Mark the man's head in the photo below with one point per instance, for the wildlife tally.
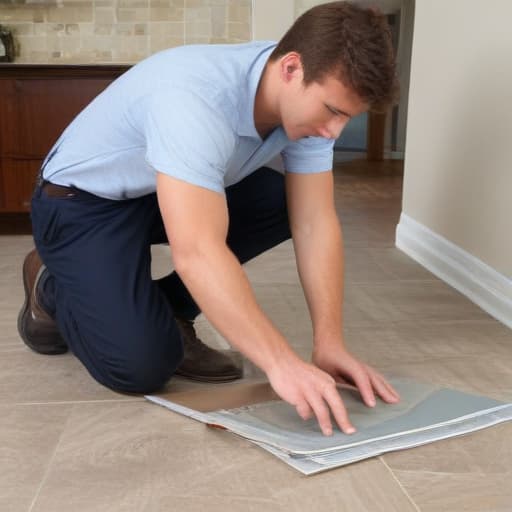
(348, 42)
(336, 61)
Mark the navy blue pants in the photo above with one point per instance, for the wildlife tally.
(114, 317)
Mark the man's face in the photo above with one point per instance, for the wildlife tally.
(319, 109)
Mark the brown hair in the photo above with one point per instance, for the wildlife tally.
(353, 43)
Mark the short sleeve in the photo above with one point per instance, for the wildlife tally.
(308, 155)
(188, 138)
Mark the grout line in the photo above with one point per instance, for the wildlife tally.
(50, 462)
(399, 484)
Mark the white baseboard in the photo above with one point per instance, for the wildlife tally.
(480, 283)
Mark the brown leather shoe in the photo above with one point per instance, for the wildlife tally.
(36, 327)
(202, 362)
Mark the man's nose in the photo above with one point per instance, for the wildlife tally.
(333, 129)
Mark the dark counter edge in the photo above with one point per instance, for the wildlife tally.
(42, 71)
(15, 224)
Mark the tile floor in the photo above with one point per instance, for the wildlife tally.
(68, 444)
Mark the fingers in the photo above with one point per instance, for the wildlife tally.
(329, 401)
(338, 410)
(383, 388)
(322, 405)
(369, 382)
(304, 410)
(344, 384)
(312, 391)
(361, 377)
(322, 414)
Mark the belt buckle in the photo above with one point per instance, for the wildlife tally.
(57, 191)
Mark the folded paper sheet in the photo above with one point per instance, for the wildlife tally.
(426, 413)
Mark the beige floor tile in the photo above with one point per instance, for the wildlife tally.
(138, 456)
(9, 337)
(371, 233)
(362, 266)
(10, 340)
(161, 261)
(29, 436)
(286, 306)
(405, 343)
(14, 245)
(401, 266)
(471, 473)
(407, 301)
(274, 267)
(376, 265)
(486, 375)
(27, 377)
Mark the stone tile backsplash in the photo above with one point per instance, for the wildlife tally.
(119, 31)
(301, 6)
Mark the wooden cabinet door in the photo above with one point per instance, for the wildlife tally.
(38, 110)
(17, 181)
(33, 114)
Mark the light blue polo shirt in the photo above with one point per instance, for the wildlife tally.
(186, 112)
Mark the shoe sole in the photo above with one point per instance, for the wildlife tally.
(205, 378)
(24, 312)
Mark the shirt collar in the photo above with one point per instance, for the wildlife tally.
(246, 126)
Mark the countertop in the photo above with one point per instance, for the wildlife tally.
(14, 70)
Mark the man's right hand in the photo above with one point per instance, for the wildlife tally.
(311, 391)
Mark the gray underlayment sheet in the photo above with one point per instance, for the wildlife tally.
(426, 413)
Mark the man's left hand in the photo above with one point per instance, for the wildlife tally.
(346, 369)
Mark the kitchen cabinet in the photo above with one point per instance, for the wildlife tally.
(36, 103)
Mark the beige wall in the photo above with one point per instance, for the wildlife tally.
(271, 18)
(458, 160)
(386, 6)
(103, 31)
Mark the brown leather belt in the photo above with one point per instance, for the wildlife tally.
(52, 190)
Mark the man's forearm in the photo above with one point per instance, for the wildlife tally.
(221, 289)
(319, 253)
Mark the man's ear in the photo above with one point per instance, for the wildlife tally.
(291, 67)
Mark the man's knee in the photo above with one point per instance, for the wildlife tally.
(144, 370)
